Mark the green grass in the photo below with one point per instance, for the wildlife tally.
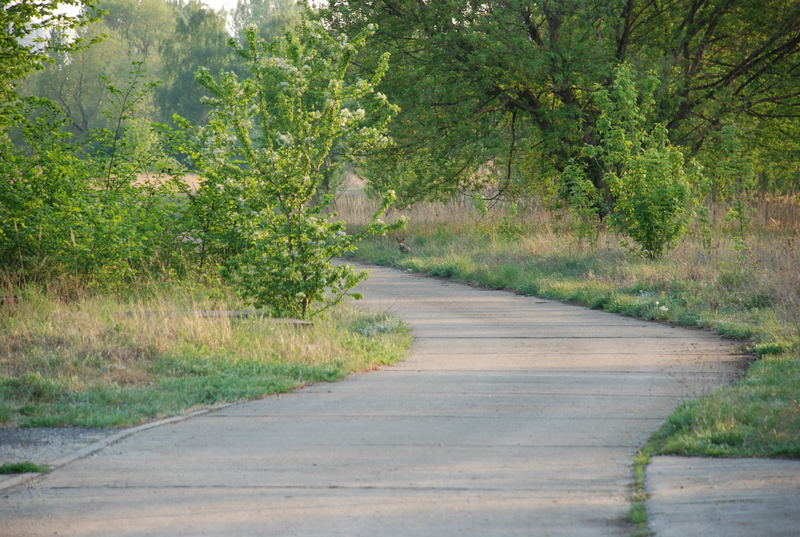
(757, 416)
(637, 513)
(751, 296)
(88, 362)
(22, 468)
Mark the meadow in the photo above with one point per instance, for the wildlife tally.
(76, 356)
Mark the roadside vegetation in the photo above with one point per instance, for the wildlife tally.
(22, 468)
(121, 236)
(744, 288)
(99, 360)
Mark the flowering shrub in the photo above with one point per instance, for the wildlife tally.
(274, 139)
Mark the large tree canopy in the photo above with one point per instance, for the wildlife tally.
(505, 90)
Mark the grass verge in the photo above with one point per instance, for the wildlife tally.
(98, 361)
(751, 295)
(25, 467)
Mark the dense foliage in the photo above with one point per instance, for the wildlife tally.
(273, 140)
(502, 95)
(86, 177)
(629, 112)
(649, 184)
(82, 207)
(91, 187)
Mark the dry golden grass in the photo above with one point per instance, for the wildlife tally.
(97, 339)
(91, 338)
(157, 179)
(780, 214)
(93, 359)
(761, 273)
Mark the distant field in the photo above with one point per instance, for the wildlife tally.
(191, 179)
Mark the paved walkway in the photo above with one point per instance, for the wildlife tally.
(724, 497)
(513, 416)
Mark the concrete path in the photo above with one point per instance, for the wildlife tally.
(513, 416)
(724, 497)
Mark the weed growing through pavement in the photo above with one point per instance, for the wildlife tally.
(25, 467)
(637, 513)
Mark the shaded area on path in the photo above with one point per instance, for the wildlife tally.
(512, 416)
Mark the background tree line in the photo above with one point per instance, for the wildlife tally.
(171, 39)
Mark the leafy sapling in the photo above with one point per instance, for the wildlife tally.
(274, 138)
(649, 182)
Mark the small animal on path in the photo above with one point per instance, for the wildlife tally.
(401, 243)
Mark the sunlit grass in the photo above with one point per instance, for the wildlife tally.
(99, 361)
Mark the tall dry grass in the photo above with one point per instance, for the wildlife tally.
(755, 277)
(770, 213)
(97, 339)
(93, 359)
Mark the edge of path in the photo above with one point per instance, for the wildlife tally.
(730, 497)
(73, 455)
(715, 497)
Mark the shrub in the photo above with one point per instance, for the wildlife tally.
(273, 141)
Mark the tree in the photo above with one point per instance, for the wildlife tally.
(77, 81)
(200, 39)
(270, 17)
(129, 31)
(272, 140)
(143, 24)
(499, 92)
(24, 31)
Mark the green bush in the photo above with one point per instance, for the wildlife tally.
(79, 207)
(274, 140)
(647, 178)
